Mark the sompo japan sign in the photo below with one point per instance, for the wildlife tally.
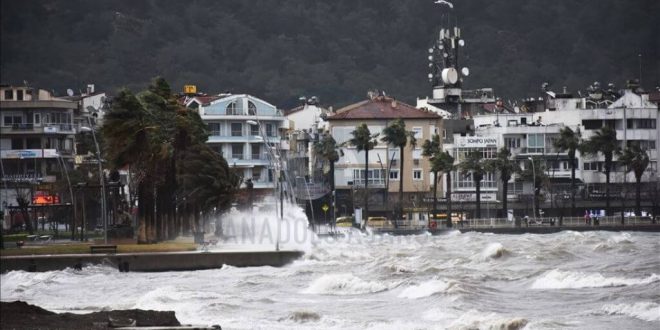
(476, 141)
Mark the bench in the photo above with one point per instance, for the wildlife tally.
(103, 248)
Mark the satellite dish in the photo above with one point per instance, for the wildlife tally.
(465, 71)
(430, 57)
(69, 91)
(461, 42)
(430, 50)
(449, 76)
(445, 55)
(430, 65)
(430, 75)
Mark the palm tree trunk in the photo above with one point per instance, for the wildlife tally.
(638, 196)
(505, 193)
(573, 187)
(435, 194)
(142, 209)
(400, 210)
(449, 219)
(366, 189)
(332, 193)
(607, 192)
(478, 186)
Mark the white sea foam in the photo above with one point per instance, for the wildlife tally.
(647, 311)
(343, 284)
(492, 251)
(473, 319)
(557, 279)
(425, 289)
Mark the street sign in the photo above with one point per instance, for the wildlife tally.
(325, 207)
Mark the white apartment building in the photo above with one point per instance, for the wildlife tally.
(635, 119)
(247, 132)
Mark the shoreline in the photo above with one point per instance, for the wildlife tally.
(151, 262)
(21, 315)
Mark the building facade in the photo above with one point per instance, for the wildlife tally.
(384, 160)
(247, 132)
(532, 135)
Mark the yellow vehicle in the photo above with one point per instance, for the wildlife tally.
(379, 223)
(344, 222)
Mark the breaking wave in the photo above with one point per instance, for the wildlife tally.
(647, 311)
(344, 284)
(426, 289)
(557, 279)
(493, 251)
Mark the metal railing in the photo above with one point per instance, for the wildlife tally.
(614, 220)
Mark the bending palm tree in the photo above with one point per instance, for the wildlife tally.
(396, 135)
(570, 141)
(506, 166)
(604, 141)
(440, 162)
(473, 165)
(363, 140)
(535, 173)
(327, 149)
(636, 160)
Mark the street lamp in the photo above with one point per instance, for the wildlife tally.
(273, 157)
(101, 179)
(533, 187)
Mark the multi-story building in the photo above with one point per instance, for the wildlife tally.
(378, 112)
(532, 134)
(247, 132)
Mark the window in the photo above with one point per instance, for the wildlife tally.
(417, 174)
(9, 94)
(236, 129)
(269, 130)
(417, 153)
(19, 95)
(237, 151)
(512, 143)
(252, 109)
(535, 143)
(10, 120)
(394, 175)
(646, 123)
(417, 133)
(16, 143)
(37, 119)
(592, 124)
(256, 151)
(444, 134)
(629, 123)
(376, 177)
(256, 174)
(254, 130)
(233, 108)
(214, 128)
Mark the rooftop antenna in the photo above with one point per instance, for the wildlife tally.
(640, 69)
(69, 91)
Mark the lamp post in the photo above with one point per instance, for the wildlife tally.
(101, 179)
(533, 187)
(280, 175)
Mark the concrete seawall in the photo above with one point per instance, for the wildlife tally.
(151, 262)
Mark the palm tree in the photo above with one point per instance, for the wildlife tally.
(636, 160)
(473, 165)
(569, 141)
(604, 141)
(326, 148)
(507, 167)
(363, 140)
(535, 173)
(396, 135)
(440, 162)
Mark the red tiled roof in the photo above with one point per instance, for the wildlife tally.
(381, 107)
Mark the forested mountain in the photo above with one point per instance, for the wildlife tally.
(336, 50)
